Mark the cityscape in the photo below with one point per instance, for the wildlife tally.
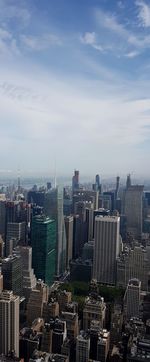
(75, 271)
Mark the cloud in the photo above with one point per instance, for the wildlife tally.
(90, 39)
(144, 13)
(41, 42)
(49, 114)
(132, 54)
(9, 10)
(123, 40)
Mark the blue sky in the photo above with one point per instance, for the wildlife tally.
(75, 86)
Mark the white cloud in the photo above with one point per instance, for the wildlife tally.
(91, 39)
(132, 54)
(41, 42)
(17, 11)
(144, 13)
(51, 115)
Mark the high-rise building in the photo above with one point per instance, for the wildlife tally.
(12, 274)
(43, 240)
(106, 249)
(94, 309)
(133, 209)
(28, 276)
(9, 323)
(75, 181)
(38, 297)
(69, 239)
(133, 263)
(132, 298)
(82, 347)
(53, 208)
(17, 231)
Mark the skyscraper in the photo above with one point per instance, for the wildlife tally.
(9, 323)
(132, 298)
(133, 209)
(69, 239)
(43, 240)
(75, 181)
(53, 208)
(12, 274)
(83, 347)
(106, 248)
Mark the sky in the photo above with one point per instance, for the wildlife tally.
(75, 86)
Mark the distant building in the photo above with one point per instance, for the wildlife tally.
(69, 239)
(75, 181)
(133, 209)
(9, 323)
(133, 264)
(12, 274)
(132, 298)
(53, 208)
(38, 297)
(106, 248)
(43, 240)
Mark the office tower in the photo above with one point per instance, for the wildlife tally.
(82, 347)
(99, 212)
(72, 323)
(69, 239)
(38, 297)
(94, 309)
(106, 248)
(1, 282)
(117, 187)
(15, 231)
(12, 274)
(89, 221)
(43, 241)
(133, 209)
(12, 211)
(103, 346)
(79, 235)
(28, 276)
(133, 263)
(9, 323)
(87, 196)
(59, 335)
(2, 219)
(75, 181)
(53, 208)
(132, 298)
(36, 197)
(128, 182)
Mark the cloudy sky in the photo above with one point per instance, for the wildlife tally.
(75, 86)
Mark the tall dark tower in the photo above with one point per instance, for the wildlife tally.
(117, 186)
(75, 181)
(128, 182)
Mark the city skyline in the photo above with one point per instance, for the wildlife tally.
(74, 85)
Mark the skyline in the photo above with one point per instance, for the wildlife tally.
(74, 86)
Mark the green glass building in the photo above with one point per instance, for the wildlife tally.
(43, 240)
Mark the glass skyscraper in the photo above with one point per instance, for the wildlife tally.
(43, 240)
(53, 208)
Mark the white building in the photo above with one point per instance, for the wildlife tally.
(106, 248)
